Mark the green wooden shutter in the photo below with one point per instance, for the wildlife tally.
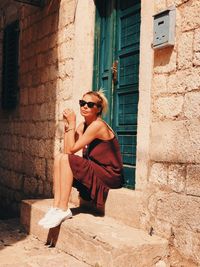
(39, 3)
(104, 53)
(10, 66)
(126, 89)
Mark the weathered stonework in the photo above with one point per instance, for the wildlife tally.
(173, 202)
(46, 60)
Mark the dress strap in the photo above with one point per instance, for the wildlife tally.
(85, 127)
(109, 128)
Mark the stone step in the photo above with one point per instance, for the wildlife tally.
(122, 204)
(98, 241)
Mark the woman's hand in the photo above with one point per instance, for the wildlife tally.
(69, 116)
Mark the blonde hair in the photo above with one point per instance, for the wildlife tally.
(103, 102)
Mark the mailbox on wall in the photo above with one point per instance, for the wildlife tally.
(164, 28)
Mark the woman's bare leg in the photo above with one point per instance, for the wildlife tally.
(57, 180)
(66, 180)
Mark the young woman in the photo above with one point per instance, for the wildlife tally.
(97, 171)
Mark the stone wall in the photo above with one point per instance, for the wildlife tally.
(173, 190)
(31, 134)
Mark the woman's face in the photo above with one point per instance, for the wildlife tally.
(87, 111)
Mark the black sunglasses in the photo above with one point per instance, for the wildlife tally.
(82, 103)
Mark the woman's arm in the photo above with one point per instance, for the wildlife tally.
(87, 137)
(71, 136)
(94, 130)
(69, 129)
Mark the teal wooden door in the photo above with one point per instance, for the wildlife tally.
(116, 70)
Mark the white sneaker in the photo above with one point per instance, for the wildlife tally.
(51, 211)
(57, 218)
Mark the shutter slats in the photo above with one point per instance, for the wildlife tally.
(10, 66)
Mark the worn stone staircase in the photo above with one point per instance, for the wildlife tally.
(113, 240)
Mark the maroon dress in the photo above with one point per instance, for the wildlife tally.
(98, 170)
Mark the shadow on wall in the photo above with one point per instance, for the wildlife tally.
(28, 133)
(162, 57)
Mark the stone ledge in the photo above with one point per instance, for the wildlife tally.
(122, 204)
(96, 240)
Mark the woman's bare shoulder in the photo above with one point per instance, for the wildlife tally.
(98, 124)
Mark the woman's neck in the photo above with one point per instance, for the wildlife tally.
(88, 121)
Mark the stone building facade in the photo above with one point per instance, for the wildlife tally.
(56, 51)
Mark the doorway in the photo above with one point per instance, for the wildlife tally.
(116, 70)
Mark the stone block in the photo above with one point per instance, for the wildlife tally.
(168, 107)
(16, 181)
(30, 186)
(188, 242)
(161, 264)
(48, 188)
(48, 23)
(43, 112)
(190, 15)
(40, 187)
(177, 177)
(42, 148)
(66, 50)
(40, 60)
(192, 79)
(192, 105)
(51, 111)
(27, 162)
(51, 129)
(49, 143)
(32, 96)
(176, 2)
(179, 210)
(66, 34)
(40, 168)
(192, 180)
(32, 63)
(196, 60)
(161, 228)
(159, 5)
(185, 50)
(49, 171)
(67, 13)
(164, 60)
(65, 69)
(53, 72)
(45, 76)
(159, 174)
(24, 97)
(197, 40)
(175, 141)
(63, 105)
(159, 84)
(51, 56)
(65, 94)
(41, 94)
(53, 40)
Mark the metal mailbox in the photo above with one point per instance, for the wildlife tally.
(164, 28)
